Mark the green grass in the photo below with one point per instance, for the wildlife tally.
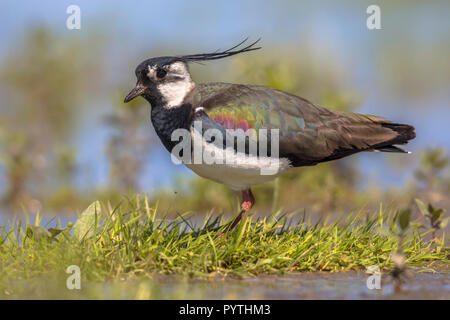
(133, 241)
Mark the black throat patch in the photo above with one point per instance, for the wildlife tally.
(167, 120)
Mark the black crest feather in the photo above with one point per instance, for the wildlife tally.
(221, 54)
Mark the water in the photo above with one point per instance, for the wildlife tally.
(315, 285)
(300, 286)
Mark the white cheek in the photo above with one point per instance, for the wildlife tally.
(175, 92)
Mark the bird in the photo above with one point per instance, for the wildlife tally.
(305, 133)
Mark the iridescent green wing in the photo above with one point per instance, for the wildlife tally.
(308, 133)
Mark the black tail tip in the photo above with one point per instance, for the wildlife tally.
(405, 132)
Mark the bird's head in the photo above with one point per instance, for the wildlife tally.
(168, 79)
(165, 78)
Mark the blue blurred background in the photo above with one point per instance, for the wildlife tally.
(67, 139)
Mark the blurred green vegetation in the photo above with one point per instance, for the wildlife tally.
(45, 79)
(50, 84)
(129, 145)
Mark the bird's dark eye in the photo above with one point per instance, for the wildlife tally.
(161, 73)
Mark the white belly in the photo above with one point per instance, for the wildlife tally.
(236, 178)
(237, 171)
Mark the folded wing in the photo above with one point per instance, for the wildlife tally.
(308, 133)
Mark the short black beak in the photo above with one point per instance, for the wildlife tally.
(136, 91)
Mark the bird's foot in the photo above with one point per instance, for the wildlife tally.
(246, 205)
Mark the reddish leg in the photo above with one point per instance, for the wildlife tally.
(247, 202)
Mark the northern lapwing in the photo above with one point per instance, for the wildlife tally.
(306, 133)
